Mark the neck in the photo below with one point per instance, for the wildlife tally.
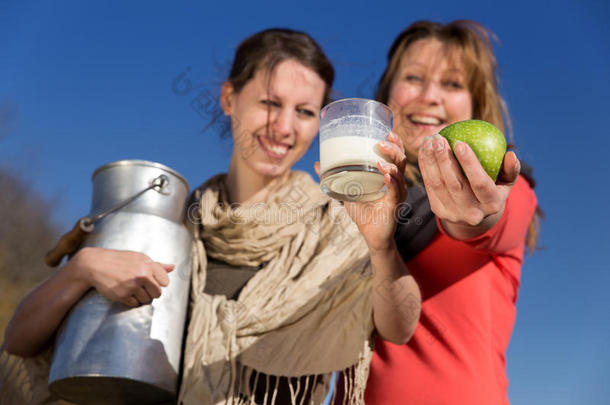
(246, 187)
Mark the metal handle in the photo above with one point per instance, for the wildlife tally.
(71, 240)
(158, 183)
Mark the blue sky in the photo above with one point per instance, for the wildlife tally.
(92, 83)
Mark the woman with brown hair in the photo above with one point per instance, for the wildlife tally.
(282, 294)
(462, 236)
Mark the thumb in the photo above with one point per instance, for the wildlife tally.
(511, 167)
(316, 167)
(167, 267)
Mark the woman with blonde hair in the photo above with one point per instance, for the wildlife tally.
(463, 236)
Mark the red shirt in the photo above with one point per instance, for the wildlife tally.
(469, 290)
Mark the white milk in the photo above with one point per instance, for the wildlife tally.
(348, 151)
(350, 143)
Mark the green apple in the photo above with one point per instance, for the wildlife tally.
(486, 141)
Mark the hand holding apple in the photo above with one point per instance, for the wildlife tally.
(461, 192)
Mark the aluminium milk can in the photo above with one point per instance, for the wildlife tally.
(108, 353)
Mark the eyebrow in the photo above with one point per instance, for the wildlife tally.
(455, 70)
(408, 63)
(309, 104)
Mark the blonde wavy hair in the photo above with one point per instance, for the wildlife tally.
(473, 42)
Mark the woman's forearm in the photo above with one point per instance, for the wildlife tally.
(396, 297)
(128, 277)
(41, 311)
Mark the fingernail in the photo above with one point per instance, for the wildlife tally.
(437, 138)
(384, 165)
(385, 144)
(439, 145)
(427, 144)
(459, 147)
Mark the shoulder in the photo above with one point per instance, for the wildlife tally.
(214, 182)
(193, 204)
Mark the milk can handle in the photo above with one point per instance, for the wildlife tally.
(71, 240)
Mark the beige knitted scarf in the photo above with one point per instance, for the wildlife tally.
(306, 313)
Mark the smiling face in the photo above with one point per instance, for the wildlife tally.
(428, 92)
(274, 121)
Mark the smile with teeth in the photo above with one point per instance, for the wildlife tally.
(425, 119)
(274, 148)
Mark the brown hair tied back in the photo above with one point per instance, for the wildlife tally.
(266, 49)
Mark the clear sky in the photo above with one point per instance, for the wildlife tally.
(87, 84)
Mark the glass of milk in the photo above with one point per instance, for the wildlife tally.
(349, 132)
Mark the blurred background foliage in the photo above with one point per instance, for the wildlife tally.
(26, 234)
(27, 231)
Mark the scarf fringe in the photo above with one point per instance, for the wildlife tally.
(14, 381)
(304, 390)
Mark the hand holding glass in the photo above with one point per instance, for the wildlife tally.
(349, 132)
